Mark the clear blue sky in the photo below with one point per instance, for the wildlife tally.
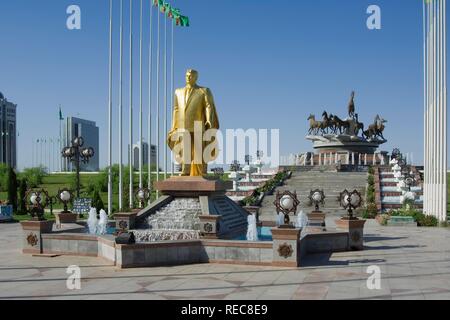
(269, 64)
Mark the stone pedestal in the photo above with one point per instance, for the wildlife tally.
(220, 216)
(125, 221)
(355, 229)
(65, 217)
(286, 247)
(192, 186)
(209, 226)
(32, 235)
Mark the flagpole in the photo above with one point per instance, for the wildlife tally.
(165, 93)
(121, 111)
(42, 145)
(150, 72)
(443, 118)
(50, 160)
(130, 149)
(60, 160)
(32, 154)
(140, 104)
(425, 95)
(110, 110)
(158, 99)
(172, 90)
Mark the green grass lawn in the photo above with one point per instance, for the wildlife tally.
(26, 217)
(52, 183)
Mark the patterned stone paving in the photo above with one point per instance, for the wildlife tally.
(415, 264)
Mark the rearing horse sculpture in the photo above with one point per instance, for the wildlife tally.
(351, 105)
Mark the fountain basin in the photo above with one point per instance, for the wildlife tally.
(168, 253)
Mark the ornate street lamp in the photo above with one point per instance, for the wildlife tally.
(350, 201)
(36, 203)
(401, 162)
(410, 179)
(286, 202)
(235, 166)
(317, 197)
(396, 154)
(142, 195)
(65, 196)
(76, 154)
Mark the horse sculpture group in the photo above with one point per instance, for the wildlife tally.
(332, 124)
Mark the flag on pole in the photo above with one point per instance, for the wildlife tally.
(60, 114)
(174, 13)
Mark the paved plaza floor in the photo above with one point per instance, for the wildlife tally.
(414, 264)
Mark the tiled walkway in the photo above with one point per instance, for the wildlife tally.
(414, 262)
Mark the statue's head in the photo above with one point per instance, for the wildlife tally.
(191, 77)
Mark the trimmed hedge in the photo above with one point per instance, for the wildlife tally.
(268, 187)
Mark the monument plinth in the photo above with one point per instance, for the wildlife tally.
(220, 216)
(192, 186)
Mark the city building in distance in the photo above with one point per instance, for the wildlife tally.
(8, 132)
(76, 127)
(144, 155)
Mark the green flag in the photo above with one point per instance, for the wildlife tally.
(184, 21)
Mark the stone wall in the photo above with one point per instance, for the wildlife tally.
(264, 253)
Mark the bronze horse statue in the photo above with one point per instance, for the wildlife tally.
(340, 124)
(376, 129)
(326, 123)
(351, 105)
(314, 125)
(359, 125)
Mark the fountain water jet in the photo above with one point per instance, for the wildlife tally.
(92, 221)
(252, 232)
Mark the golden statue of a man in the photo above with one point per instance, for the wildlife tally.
(195, 122)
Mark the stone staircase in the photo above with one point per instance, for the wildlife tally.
(332, 183)
(387, 189)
